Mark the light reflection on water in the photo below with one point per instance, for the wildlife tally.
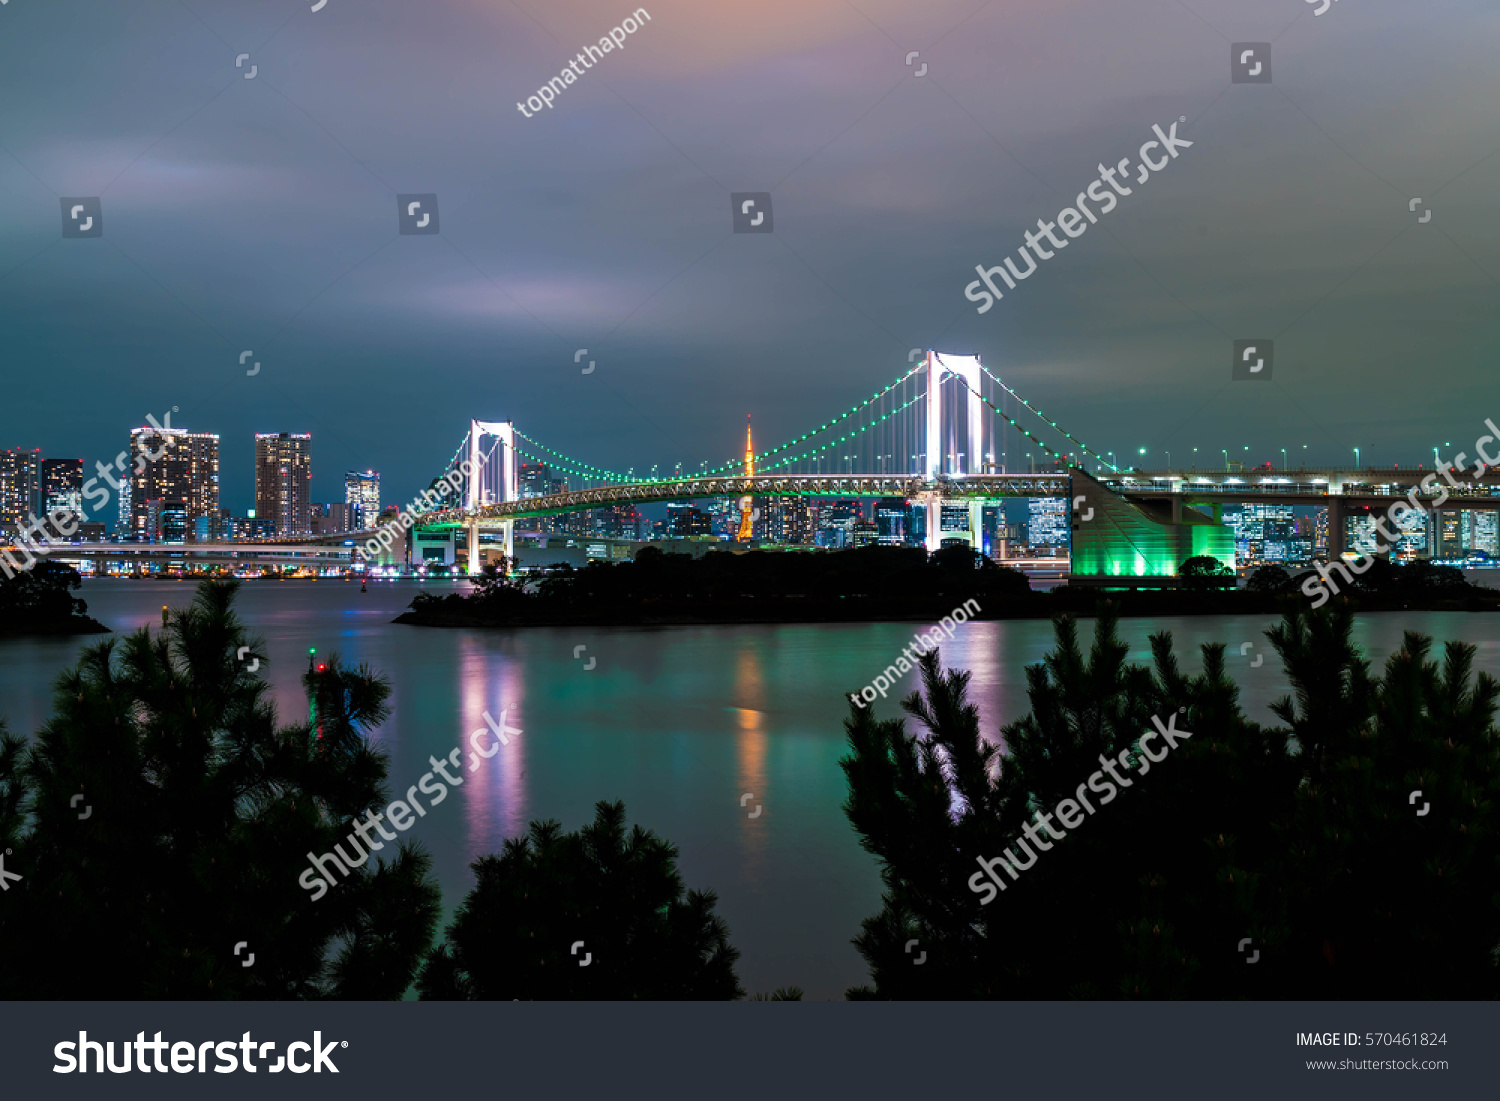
(678, 722)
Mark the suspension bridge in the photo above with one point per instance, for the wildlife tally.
(944, 433)
(948, 435)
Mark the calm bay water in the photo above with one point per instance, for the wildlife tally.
(679, 722)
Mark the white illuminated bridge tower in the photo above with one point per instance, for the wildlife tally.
(955, 445)
(481, 488)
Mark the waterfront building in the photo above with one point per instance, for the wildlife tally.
(332, 518)
(167, 494)
(1267, 533)
(1477, 532)
(1449, 536)
(1486, 533)
(19, 486)
(1047, 527)
(62, 485)
(362, 495)
(283, 480)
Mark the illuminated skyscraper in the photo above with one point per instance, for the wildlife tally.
(19, 486)
(1047, 524)
(173, 480)
(362, 495)
(62, 485)
(836, 521)
(787, 521)
(1267, 533)
(891, 514)
(1486, 533)
(1449, 542)
(1476, 531)
(283, 480)
(685, 520)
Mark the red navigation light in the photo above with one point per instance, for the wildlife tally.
(322, 667)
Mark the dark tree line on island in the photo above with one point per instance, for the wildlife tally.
(162, 815)
(40, 601)
(835, 584)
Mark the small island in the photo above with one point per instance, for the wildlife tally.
(890, 584)
(40, 601)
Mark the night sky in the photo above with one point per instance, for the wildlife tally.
(261, 214)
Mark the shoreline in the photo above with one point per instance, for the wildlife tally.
(77, 625)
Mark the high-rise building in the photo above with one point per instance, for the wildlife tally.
(62, 485)
(618, 521)
(1047, 524)
(685, 520)
(953, 521)
(283, 480)
(724, 512)
(1413, 541)
(1486, 533)
(232, 529)
(1449, 541)
(836, 522)
(1476, 532)
(362, 495)
(20, 489)
(536, 480)
(333, 518)
(173, 480)
(890, 520)
(1266, 533)
(787, 521)
(532, 480)
(330, 519)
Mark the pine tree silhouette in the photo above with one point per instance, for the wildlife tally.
(518, 933)
(159, 818)
(1296, 843)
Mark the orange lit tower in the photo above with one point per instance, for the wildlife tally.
(747, 529)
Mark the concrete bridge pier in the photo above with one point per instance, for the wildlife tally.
(473, 532)
(1335, 527)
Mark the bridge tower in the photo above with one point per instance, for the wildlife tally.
(477, 492)
(941, 366)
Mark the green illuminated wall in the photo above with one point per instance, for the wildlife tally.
(1124, 539)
